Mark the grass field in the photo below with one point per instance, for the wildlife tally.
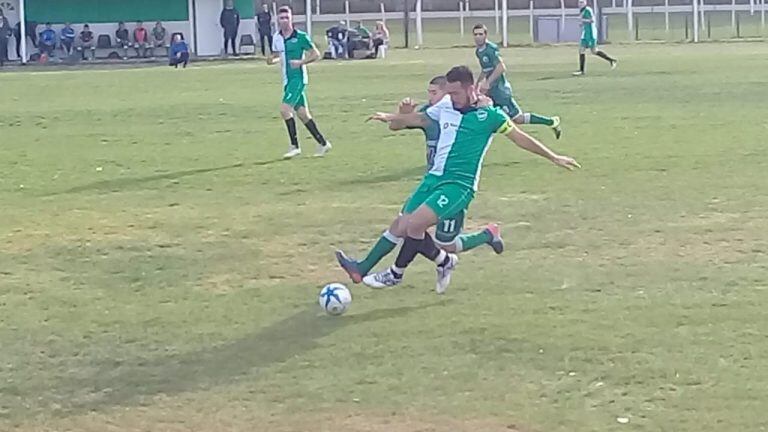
(159, 265)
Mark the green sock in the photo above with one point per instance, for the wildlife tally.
(383, 246)
(475, 239)
(539, 119)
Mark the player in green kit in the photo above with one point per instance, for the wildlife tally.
(492, 82)
(589, 39)
(466, 131)
(289, 46)
(448, 232)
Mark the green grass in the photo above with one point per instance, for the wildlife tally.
(159, 267)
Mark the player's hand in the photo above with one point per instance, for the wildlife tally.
(484, 101)
(406, 106)
(566, 162)
(483, 87)
(382, 117)
(295, 64)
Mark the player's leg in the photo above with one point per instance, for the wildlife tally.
(600, 53)
(513, 110)
(290, 99)
(389, 240)
(323, 146)
(582, 58)
(385, 244)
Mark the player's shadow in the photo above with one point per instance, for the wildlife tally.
(119, 383)
(400, 175)
(128, 182)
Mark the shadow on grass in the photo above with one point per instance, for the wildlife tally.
(127, 182)
(126, 383)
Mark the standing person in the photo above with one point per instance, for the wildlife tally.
(380, 36)
(289, 47)
(491, 81)
(68, 39)
(5, 33)
(230, 22)
(85, 42)
(589, 39)
(264, 19)
(449, 187)
(122, 39)
(179, 52)
(140, 39)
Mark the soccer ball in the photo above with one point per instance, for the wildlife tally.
(335, 298)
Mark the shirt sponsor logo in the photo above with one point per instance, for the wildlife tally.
(482, 115)
(442, 201)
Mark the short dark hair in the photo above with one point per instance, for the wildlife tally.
(438, 80)
(284, 9)
(460, 74)
(480, 27)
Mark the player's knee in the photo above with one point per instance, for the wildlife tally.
(286, 111)
(448, 247)
(519, 119)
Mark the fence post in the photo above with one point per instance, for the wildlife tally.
(496, 14)
(530, 22)
(733, 17)
(762, 16)
(406, 22)
(317, 8)
(666, 17)
(383, 14)
(738, 26)
(695, 20)
(686, 28)
(637, 28)
(308, 16)
(505, 23)
(701, 12)
(346, 12)
(419, 32)
(562, 16)
(630, 19)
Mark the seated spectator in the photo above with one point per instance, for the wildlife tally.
(158, 36)
(337, 40)
(86, 42)
(140, 39)
(122, 39)
(47, 42)
(68, 39)
(380, 37)
(179, 52)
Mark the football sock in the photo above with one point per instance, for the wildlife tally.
(473, 240)
(291, 125)
(383, 246)
(582, 61)
(605, 56)
(312, 127)
(533, 118)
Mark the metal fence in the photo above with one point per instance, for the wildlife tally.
(543, 21)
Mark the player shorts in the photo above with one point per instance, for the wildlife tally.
(449, 201)
(293, 94)
(449, 229)
(588, 43)
(504, 100)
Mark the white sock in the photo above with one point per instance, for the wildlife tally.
(440, 257)
(391, 237)
(526, 118)
(397, 271)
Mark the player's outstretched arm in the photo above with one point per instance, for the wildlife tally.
(406, 106)
(402, 121)
(527, 142)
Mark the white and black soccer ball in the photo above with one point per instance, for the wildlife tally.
(335, 298)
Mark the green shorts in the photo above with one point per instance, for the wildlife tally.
(504, 100)
(448, 200)
(293, 94)
(588, 43)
